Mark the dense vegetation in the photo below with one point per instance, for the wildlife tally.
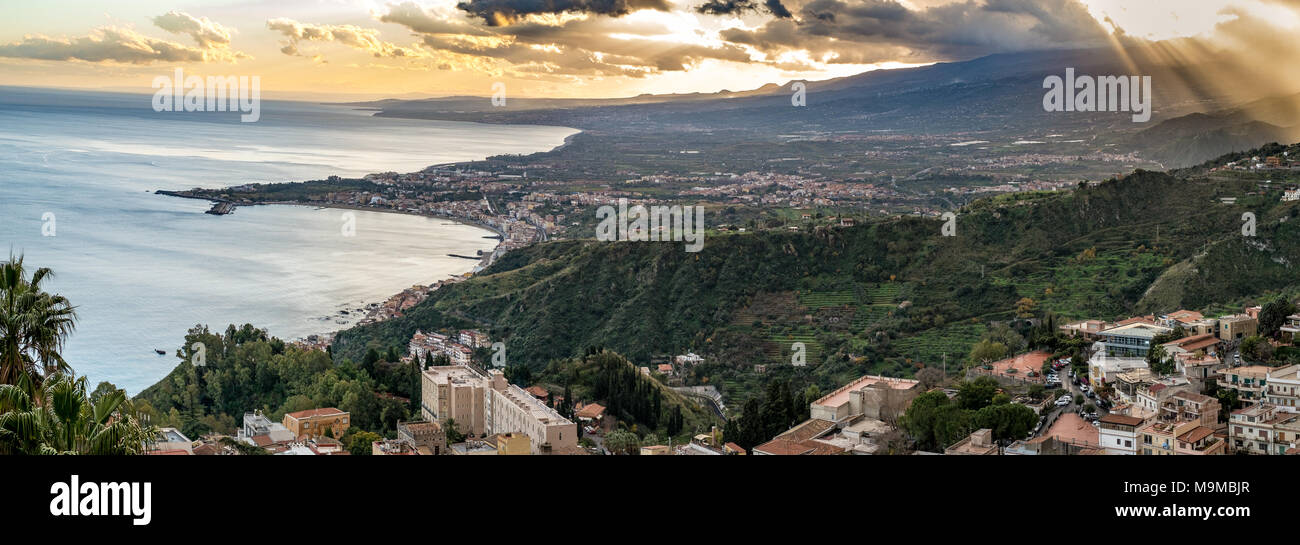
(641, 403)
(245, 369)
(43, 408)
(889, 297)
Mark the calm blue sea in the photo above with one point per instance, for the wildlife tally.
(143, 268)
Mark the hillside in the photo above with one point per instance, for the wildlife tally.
(888, 297)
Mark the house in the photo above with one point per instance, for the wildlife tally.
(1161, 438)
(1200, 441)
(170, 441)
(592, 416)
(1151, 396)
(801, 440)
(1199, 370)
(1117, 433)
(1180, 317)
(1238, 327)
(258, 430)
(317, 422)
(1291, 327)
(1205, 344)
(1088, 329)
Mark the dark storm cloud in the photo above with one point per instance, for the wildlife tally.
(505, 12)
(735, 7)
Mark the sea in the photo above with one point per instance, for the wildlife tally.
(78, 172)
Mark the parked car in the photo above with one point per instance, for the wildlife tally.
(1096, 423)
(1062, 402)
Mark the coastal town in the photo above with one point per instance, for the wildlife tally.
(1174, 384)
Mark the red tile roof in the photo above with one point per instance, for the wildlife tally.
(591, 410)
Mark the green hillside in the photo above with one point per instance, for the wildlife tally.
(887, 297)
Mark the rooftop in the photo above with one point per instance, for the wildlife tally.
(1137, 329)
(841, 396)
(312, 413)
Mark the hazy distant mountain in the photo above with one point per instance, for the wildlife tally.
(1192, 138)
(999, 96)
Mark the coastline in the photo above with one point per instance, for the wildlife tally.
(310, 339)
(323, 339)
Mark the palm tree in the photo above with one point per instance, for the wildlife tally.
(33, 325)
(61, 419)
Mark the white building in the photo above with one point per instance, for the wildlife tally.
(1103, 369)
(1118, 433)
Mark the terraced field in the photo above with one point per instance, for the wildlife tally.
(929, 347)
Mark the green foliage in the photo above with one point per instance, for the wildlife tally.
(58, 416)
(627, 394)
(360, 443)
(245, 370)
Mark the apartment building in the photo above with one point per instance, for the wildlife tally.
(1161, 438)
(1128, 383)
(1250, 382)
(317, 422)
(482, 405)
(1105, 369)
(1263, 429)
(1152, 396)
(1117, 434)
(1283, 388)
(1188, 406)
(1131, 339)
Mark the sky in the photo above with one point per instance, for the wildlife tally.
(588, 48)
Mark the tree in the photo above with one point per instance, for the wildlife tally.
(33, 325)
(928, 377)
(1257, 348)
(1007, 420)
(987, 351)
(62, 419)
(977, 394)
(360, 443)
(1273, 315)
(1026, 307)
(1160, 361)
(622, 442)
(454, 435)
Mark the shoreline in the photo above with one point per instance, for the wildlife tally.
(306, 340)
(484, 261)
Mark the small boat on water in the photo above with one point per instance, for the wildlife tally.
(160, 352)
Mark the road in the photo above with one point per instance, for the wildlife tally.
(1068, 385)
